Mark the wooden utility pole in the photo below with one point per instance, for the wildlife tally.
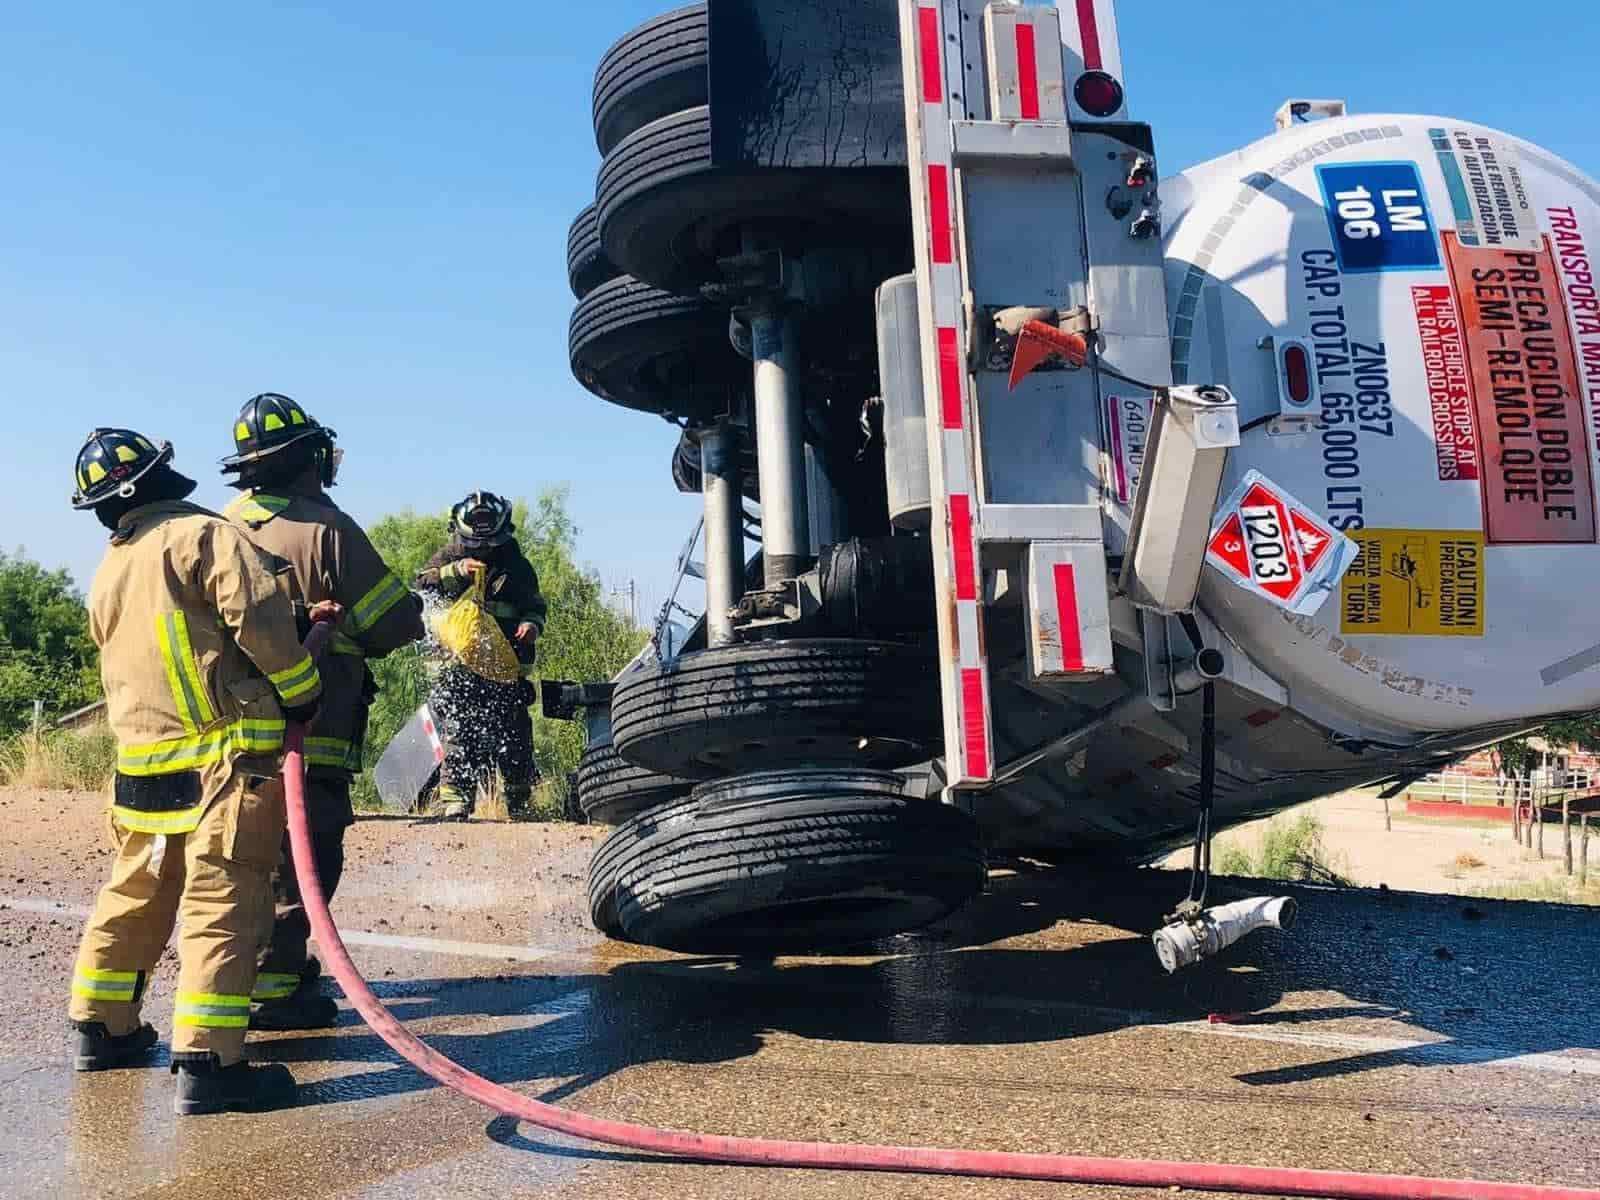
(1583, 853)
(1566, 832)
(1538, 831)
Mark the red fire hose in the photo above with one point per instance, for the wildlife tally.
(765, 1152)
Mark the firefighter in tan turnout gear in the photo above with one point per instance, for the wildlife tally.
(202, 666)
(284, 461)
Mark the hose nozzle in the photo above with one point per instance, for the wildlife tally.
(1213, 930)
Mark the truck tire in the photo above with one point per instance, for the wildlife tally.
(608, 857)
(611, 789)
(787, 861)
(657, 69)
(669, 211)
(686, 476)
(587, 264)
(645, 349)
(781, 704)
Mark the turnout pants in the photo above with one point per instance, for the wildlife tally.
(486, 730)
(213, 883)
(328, 801)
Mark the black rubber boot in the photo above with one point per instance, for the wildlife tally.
(206, 1087)
(98, 1050)
(305, 1008)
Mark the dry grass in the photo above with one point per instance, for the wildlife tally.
(1468, 861)
(71, 759)
(1558, 889)
(548, 802)
(490, 802)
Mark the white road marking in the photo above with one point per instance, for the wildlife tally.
(1421, 1052)
(353, 937)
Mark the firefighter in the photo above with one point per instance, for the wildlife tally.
(484, 724)
(283, 463)
(202, 666)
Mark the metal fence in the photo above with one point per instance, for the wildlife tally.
(1456, 787)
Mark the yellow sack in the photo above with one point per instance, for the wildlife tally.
(474, 637)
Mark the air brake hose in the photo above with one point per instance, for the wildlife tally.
(765, 1152)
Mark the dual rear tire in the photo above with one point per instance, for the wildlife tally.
(785, 862)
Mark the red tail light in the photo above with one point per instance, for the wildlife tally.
(1297, 374)
(1097, 93)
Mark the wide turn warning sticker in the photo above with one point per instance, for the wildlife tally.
(1267, 542)
(1421, 582)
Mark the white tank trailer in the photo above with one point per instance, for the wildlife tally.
(1405, 310)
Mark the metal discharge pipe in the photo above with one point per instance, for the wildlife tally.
(724, 529)
(780, 449)
(770, 1152)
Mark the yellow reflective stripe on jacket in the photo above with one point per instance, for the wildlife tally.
(250, 735)
(95, 984)
(344, 644)
(274, 985)
(369, 610)
(211, 1011)
(332, 752)
(257, 508)
(296, 681)
(183, 672)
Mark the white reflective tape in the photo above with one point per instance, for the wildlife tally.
(967, 631)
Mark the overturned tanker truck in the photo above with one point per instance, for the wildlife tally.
(1097, 508)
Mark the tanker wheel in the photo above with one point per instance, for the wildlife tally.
(608, 858)
(824, 702)
(668, 211)
(686, 476)
(653, 71)
(611, 789)
(644, 349)
(790, 861)
(587, 264)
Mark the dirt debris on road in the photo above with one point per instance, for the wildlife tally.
(1036, 1020)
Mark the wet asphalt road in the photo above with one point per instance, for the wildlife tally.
(1388, 1032)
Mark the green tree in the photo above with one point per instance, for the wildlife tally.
(1516, 756)
(584, 638)
(45, 649)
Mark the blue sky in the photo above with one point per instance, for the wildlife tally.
(365, 206)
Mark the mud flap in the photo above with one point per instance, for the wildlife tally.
(409, 763)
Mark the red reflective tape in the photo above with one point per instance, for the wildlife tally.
(950, 397)
(928, 43)
(961, 546)
(939, 212)
(1027, 74)
(1089, 35)
(973, 722)
(1067, 615)
(1262, 716)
